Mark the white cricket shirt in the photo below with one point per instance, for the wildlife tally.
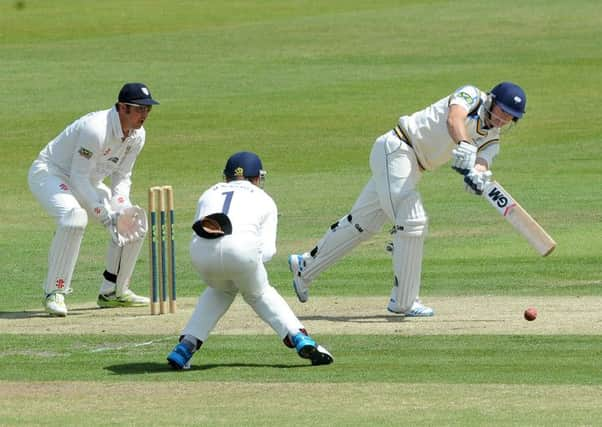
(427, 130)
(91, 149)
(250, 209)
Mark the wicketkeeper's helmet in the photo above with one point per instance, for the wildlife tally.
(510, 98)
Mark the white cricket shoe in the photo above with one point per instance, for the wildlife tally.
(417, 310)
(301, 287)
(128, 299)
(55, 305)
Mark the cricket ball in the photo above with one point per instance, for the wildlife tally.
(531, 314)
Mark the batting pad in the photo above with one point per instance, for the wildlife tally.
(127, 263)
(113, 258)
(342, 237)
(275, 311)
(65, 250)
(408, 243)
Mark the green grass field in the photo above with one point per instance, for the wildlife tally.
(309, 85)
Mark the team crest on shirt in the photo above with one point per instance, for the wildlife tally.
(85, 153)
(239, 171)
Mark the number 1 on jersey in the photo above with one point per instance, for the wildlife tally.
(227, 201)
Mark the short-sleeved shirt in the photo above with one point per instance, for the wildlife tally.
(427, 132)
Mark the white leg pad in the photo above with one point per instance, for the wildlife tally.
(275, 311)
(211, 306)
(129, 256)
(113, 258)
(408, 242)
(65, 250)
(343, 236)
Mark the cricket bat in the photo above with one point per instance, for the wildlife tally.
(520, 219)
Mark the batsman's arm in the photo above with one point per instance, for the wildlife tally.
(456, 127)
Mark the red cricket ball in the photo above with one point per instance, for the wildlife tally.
(531, 313)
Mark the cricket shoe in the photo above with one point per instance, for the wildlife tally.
(128, 299)
(180, 356)
(296, 263)
(55, 305)
(308, 349)
(417, 310)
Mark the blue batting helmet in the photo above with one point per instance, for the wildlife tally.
(243, 164)
(510, 98)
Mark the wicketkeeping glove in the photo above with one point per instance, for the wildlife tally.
(476, 181)
(129, 226)
(465, 156)
(104, 215)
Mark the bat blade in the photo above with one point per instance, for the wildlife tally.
(519, 218)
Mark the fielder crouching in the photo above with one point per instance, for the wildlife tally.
(234, 235)
(67, 179)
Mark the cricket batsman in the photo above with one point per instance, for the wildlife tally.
(67, 179)
(463, 127)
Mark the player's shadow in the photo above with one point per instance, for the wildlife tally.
(30, 314)
(377, 318)
(154, 367)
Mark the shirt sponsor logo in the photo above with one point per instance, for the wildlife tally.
(466, 97)
(106, 152)
(114, 159)
(85, 153)
(64, 186)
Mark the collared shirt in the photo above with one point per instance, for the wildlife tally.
(93, 148)
(427, 130)
(250, 209)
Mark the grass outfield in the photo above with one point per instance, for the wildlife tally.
(309, 85)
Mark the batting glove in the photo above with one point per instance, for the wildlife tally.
(476, 181)
(465, 156)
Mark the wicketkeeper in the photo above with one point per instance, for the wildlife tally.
(464, 127)
(67, 179)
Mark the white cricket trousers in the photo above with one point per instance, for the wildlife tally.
(53, 190)
(393, 188)
(228, 265)
(389, 194)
